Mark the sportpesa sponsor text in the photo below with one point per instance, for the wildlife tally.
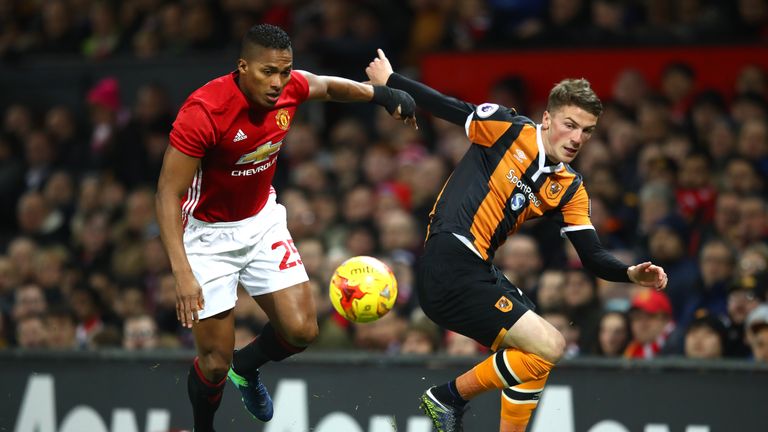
(520, 184)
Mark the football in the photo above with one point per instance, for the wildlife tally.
(363, 289)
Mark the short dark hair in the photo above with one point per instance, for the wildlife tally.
(265, 36)
(576, 92)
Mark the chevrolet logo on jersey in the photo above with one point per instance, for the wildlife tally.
(261, 154)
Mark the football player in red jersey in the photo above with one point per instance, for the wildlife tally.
(220, 222)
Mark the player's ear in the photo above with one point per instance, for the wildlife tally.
(242, 65)
(545, 120)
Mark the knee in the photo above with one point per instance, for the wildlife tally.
(215, 365)
(302, 333)
(553, 348)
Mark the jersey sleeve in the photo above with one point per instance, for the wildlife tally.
(299, 87)
(595, 258)
(441, 106)
(487, 123)
(575, 213)
(193, 131)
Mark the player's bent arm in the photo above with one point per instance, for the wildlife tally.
(440, 105)
(595, 258)
(176, 175)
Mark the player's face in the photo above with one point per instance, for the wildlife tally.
(565, 130)
(264, 76)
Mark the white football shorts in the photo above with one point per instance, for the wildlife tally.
(258, 252)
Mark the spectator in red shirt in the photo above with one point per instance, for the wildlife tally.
(650, 318)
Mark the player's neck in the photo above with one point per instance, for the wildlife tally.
(242, 89)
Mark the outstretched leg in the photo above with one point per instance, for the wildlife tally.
(535, 335)
(292, 327)
(461, 292)
(520, 372)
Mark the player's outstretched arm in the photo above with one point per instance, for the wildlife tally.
(602, 264)
(398, 103)
(380, 71)
(595, 258)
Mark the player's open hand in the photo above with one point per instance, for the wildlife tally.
(379, 69)
(648, 275)
(189, 300)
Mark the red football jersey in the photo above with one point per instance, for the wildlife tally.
(237, 145)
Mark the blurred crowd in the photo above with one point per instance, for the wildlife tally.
(346, 30)
(675, 176)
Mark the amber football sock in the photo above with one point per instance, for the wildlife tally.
(518, 403)
(504, 369)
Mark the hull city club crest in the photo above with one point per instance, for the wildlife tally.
(504, 304)
(283, 119)
(554, 189)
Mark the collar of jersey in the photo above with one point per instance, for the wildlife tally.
(542, 159)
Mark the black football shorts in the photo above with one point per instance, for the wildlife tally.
(461, 292)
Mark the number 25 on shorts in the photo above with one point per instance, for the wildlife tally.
(290, 249)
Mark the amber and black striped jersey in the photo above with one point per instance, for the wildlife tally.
(505, 179)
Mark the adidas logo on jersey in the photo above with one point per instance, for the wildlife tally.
(239, 136)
